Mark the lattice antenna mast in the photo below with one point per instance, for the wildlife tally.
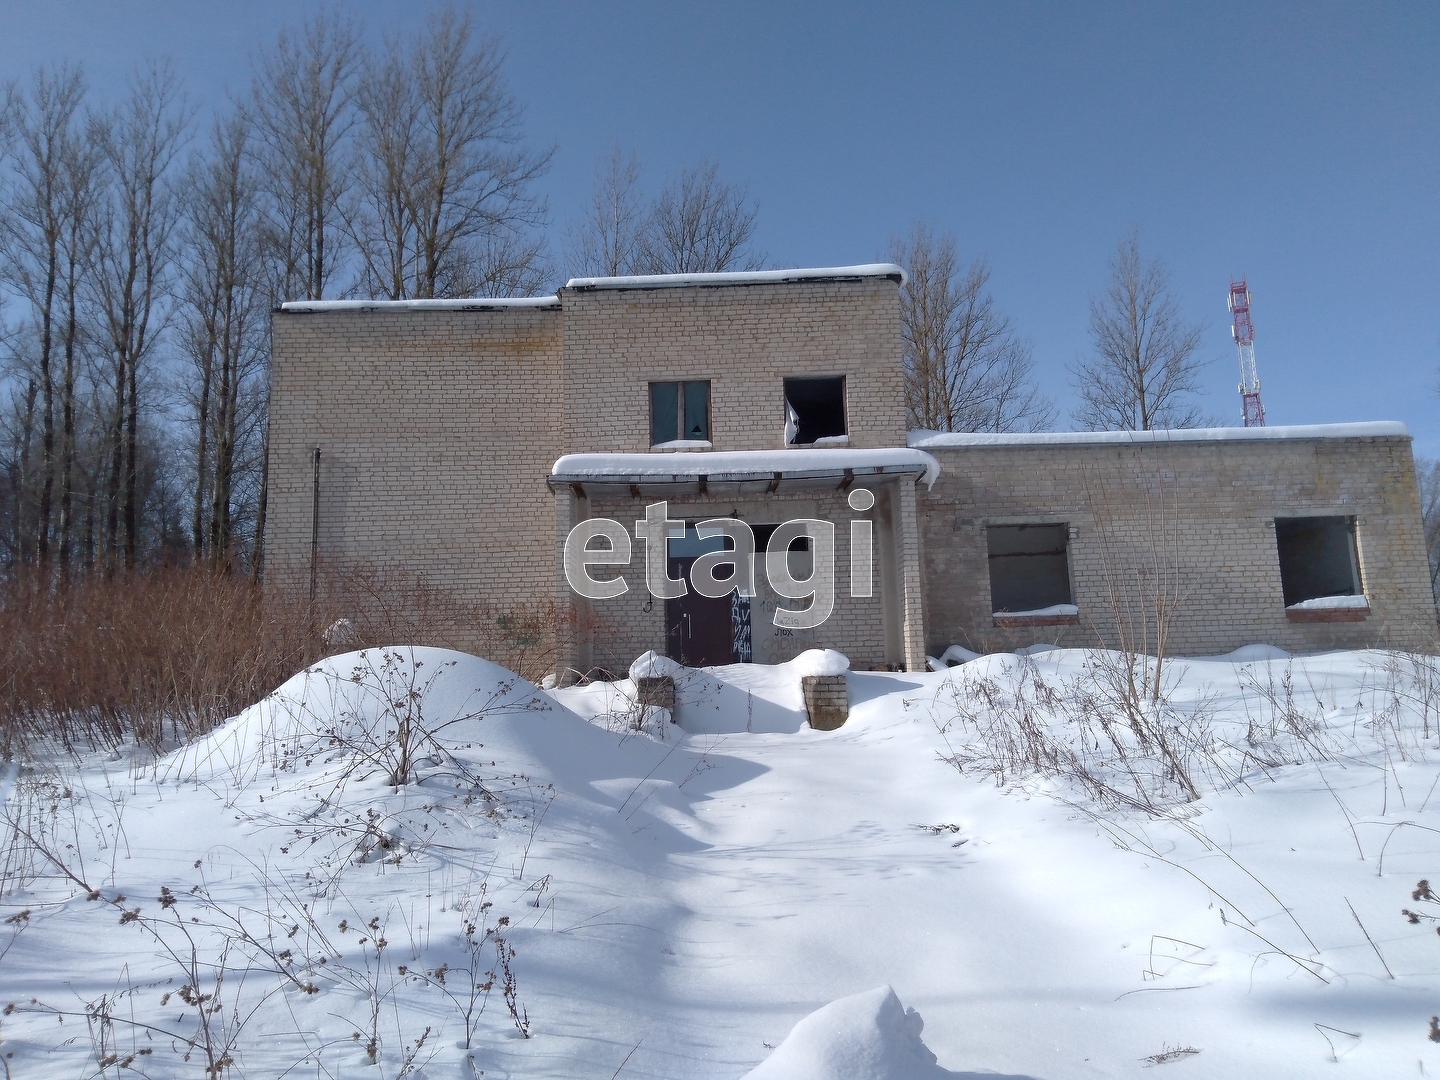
(1244, 334)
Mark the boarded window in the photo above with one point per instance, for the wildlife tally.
(1317, 558)
(814, 409)
(679, 410)
(1028, 566)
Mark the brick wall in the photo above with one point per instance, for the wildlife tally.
(745, 340)
(437, 429)
(1210, 505)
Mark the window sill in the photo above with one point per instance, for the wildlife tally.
(683, 444)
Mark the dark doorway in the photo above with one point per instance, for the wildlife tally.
(699, 630)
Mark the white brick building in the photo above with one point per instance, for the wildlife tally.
(464, 439)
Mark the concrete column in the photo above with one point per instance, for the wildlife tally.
(907, 562)
(892, 601)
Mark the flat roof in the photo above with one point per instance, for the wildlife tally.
(747, 277)
(302, 307)
(943, 440)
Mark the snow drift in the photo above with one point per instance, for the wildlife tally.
(869, 1036)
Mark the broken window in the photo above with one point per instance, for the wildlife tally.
(814, 409)
(1317, 558)
(679, 410)
(1029, 569)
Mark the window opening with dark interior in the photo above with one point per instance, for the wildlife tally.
(814, 409)
(1317, 558)
(763, 533)
(679, 411)
(1029, 569)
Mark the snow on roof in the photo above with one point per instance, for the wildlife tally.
(749, 277)
(688, 466)
(940, 440)
(466, 304)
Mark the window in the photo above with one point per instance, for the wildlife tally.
(814, 409)
(763, 533)
(1029, 569)
(679, 410)
(1317, 558)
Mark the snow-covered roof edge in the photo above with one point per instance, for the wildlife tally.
(748, 277)
(467, 304)
(938, 440)
(743, 464)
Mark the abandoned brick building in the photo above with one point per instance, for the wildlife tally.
(464, 439)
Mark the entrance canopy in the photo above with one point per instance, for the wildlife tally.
(738, 472)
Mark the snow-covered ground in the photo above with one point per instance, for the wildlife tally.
(677, 897)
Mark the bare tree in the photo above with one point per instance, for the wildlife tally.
(302, 106)
(83, 163)
(134, 253)
(383, 222)
(19, 538)
(609, 240)
(448, 204)
(223, 309)
(700, 225)
(965, 367)
(1427, 475)
(1144, 369)
(40, 259)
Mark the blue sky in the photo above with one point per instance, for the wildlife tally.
(1298, 145)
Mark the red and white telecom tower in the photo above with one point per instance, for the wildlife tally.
(1244, 334)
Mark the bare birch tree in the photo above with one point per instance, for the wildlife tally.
(1427, 475)
(302, 107)
(609, 240)
(965, 367)
(134, 253)
(697, 224)
(476, 205)
(223, 309)
(40, 260)
(1144, 371)
(448, 204)
(383, 224)
(700, 224)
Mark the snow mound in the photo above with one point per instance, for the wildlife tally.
(1247, 653)
(341, 717)
(957, 654)
(819, 662)
(652, 665)
(869, 1036)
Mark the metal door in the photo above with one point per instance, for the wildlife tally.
(699, 630)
